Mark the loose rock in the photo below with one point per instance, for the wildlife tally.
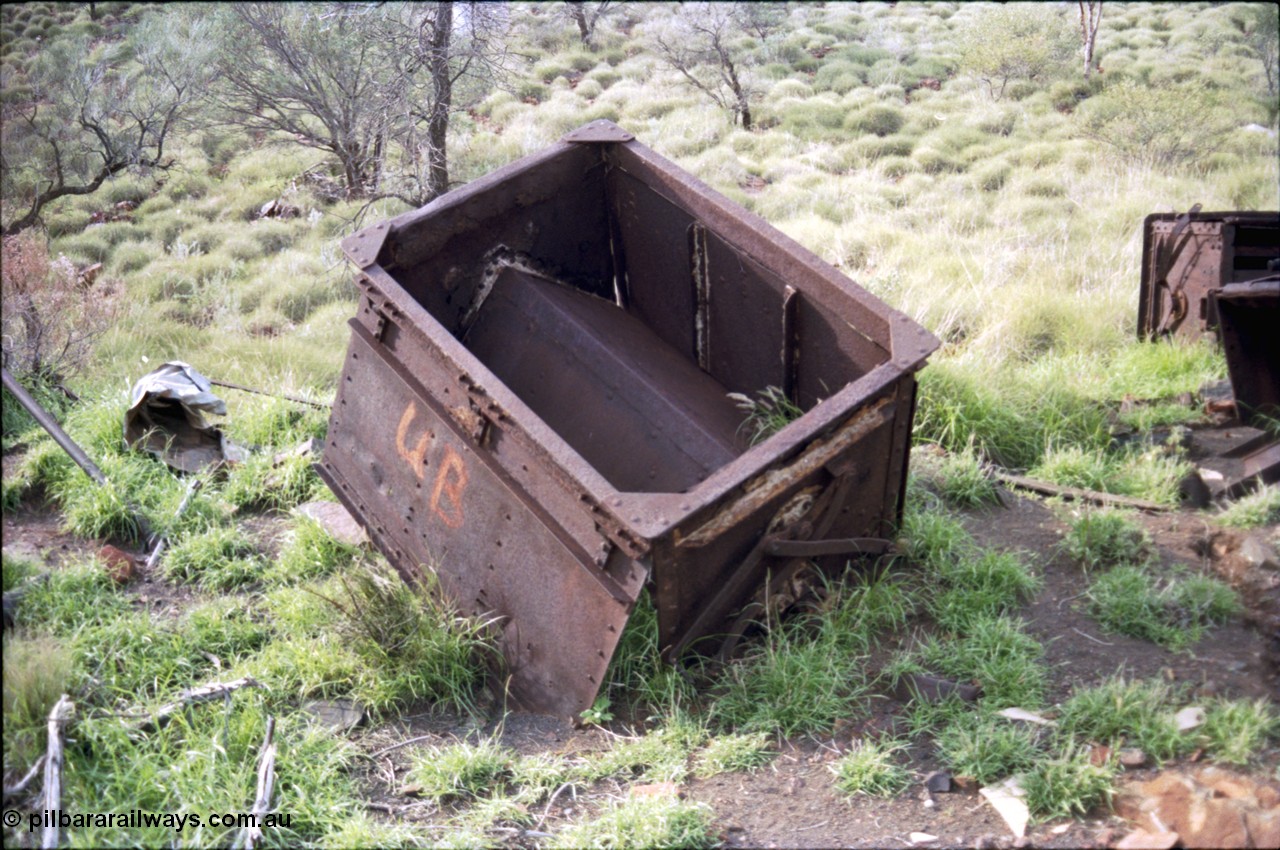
(120, 565)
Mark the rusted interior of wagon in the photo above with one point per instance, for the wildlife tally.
(613, 292)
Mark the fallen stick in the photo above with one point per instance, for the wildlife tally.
(266, 784)
(53, 769)
(21, 785)
(192, 489)
(191, 696)
(1079, 494)
(319, 405)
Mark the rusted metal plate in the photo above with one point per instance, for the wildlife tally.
(555, 346)
(1249, 324)
(1187, 257)
(436, 502)
(565, 331)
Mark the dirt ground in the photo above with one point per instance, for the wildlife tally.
(793, 802)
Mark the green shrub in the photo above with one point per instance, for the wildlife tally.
(85, 248)
(1066, 95)
(1158, 125)
(1009, 46)
(66, 221)
(839, 77)
(860, 54)
(549, 70)
(933, 161)
(134, 256)
(896, 166)
(992, 176)
(878, 119)
(532, 91)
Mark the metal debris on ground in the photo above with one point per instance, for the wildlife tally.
(535, 405)
(1188, 257)
(166, 418)
(1219, 272)
(338, 715)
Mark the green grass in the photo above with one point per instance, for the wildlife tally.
(642, 823)
(995, 653)
(979, 588)
(1171, 611)
(733, 753)
(1129, 712)
(16, 570)
(869, 768)
(1105, 538)
(218, 559)
(461, 770)
(986, 747)
(311, 552)
(1237, 731)
(1258, 509)
(765, 415)
(37, 671)
(1068, 785)
(793, 681)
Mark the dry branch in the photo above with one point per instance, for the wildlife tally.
(21, 785)
(266, 785)
(53, 769)
(192, 489)
(193, 695)
(1079, 494)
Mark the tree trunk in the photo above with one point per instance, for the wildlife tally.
(438, 120)
(1090, 21)
(580, 18)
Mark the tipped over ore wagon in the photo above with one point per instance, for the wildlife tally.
(535, 405)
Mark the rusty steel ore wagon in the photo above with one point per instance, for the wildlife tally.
(534, 404)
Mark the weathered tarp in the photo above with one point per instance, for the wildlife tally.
(165, 418)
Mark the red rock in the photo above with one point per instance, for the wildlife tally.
(1140, 839)
(120, 565)
(1264, 828)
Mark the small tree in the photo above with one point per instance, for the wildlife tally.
(709, 44)
(316, 72)
(373, 84)
(1262, 34)
(92, 111)
(1016, 41)
(1156, 125)
(586, 15)
(49, 323)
